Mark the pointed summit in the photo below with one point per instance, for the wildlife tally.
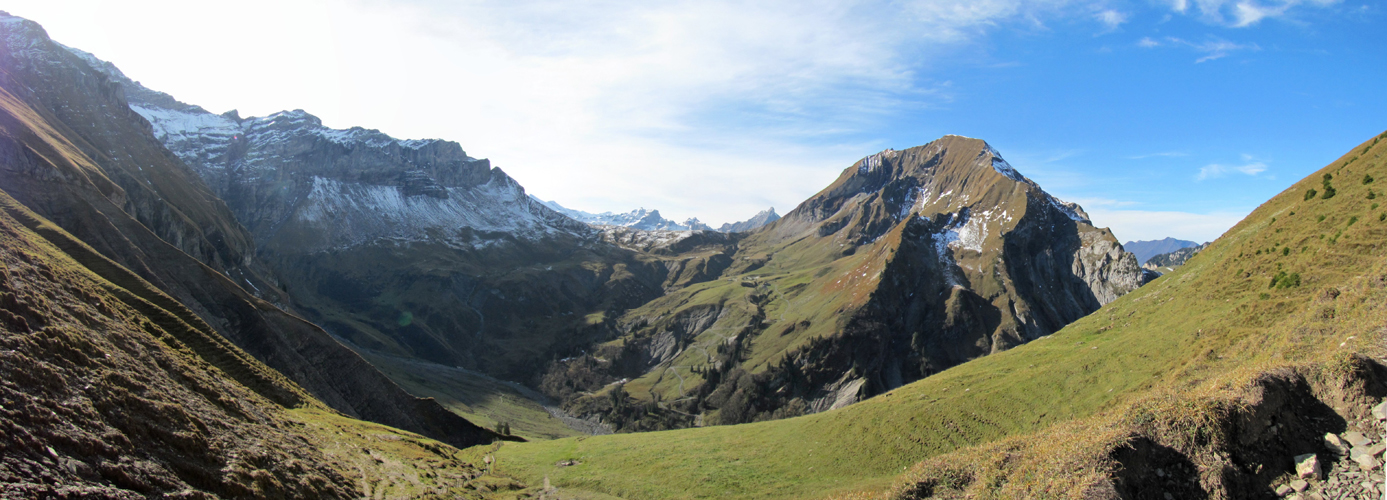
(761, 218)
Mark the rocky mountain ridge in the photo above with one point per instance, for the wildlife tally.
(1145, 250)
(1167, 262)
(651, 220)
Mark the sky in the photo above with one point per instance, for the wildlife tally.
(1161, 117)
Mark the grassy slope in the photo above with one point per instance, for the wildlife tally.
(1212, 318)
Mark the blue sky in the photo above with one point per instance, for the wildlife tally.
(1161, 117)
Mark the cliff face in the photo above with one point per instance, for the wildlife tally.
(74, 153)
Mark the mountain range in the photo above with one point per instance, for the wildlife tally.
(1145, 250)
(414, 249)
(652, 221)
(207, 305)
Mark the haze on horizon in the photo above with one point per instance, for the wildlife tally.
(1160, 117)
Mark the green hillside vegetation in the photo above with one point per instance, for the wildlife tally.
(1170, 363)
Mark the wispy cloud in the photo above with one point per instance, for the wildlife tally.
(1212, 48)
(1250, 167)
(1243, 13)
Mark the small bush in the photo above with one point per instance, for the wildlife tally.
(1283, 280)
(1328, 192)
(1320, 219)
(1352, 220)
(1372, 195)
(1264, 296)
(1367, 179)
(1310, 195)
(1286, 251)
(1382, 217)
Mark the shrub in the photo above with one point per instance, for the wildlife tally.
(1320, 219)
(1372, 195)
(1283, 280)
(1352, 221)
(1367, 179)
(1286, 251)
(1382, 217)
(1328, 189)
(1310, 195)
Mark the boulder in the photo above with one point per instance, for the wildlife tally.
(1380, 411)
(1307, 466)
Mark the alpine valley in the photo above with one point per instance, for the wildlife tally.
(204, 305)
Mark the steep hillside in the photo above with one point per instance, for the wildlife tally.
(1216, 374)
(911, 262)
(1145, 250)
(74, 153)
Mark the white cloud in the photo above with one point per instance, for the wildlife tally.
(1244, 13)
(1111, 18)
(1147, 42)
(713, 109)
(1130, 225)
(1214, 170)
(1212, 48)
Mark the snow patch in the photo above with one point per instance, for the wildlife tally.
(1001, 166)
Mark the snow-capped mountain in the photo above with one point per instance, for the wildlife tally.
(291, 180)
(640, 218)
(650, 220)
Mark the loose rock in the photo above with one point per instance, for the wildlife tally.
(1299, 485)
(1356, 438)
(1335, 444)
(1307, 466)
(1380, 411)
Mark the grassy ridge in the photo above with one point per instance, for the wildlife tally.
(1217, 316)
